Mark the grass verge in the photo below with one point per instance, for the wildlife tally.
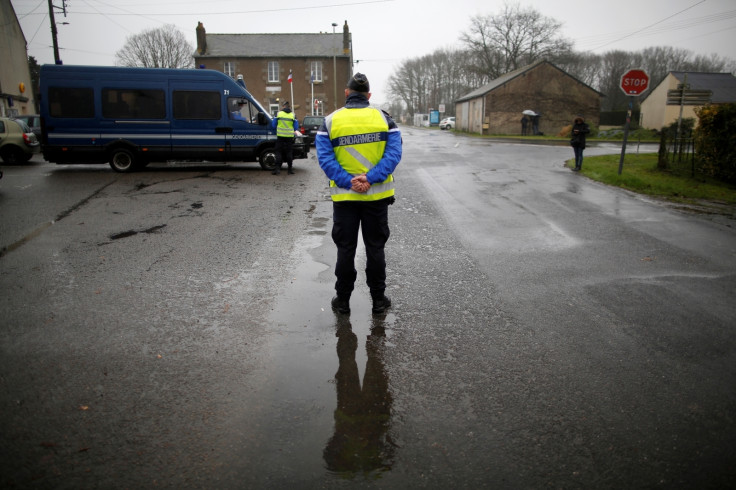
(640, 174)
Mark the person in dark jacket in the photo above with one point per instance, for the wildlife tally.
(577, 140)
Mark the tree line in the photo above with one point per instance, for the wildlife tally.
(515, 37)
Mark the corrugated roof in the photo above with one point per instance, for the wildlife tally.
(273, 45)
(723, 85)
(510, 76)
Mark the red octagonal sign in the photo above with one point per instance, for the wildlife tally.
(634, 82)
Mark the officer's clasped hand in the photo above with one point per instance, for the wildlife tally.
(360, 183)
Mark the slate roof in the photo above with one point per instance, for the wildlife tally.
(723, 85)
(510, 76)
(273, 45)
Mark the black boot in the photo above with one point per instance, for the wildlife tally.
(341, 305)
(381, 303)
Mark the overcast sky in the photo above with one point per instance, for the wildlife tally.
(385, 32)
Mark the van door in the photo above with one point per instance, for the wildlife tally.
(134, 111)
(249, 134)
(198, 128)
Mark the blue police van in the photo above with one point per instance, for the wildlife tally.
(131, 117)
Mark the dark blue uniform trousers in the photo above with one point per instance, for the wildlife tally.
(372, 218)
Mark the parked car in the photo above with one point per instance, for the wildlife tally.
(309, 127)
(447, 123)
(17, 142)
(33, 121)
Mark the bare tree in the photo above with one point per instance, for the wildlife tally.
(583, 66)
(514, 38)
(424, 83)
(496, 45)
(161, 47)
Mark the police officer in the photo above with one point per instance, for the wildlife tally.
(285, 125)
(358, 148)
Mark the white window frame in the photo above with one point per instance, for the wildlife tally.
(273, 72)
(229, 69)
(316, 71)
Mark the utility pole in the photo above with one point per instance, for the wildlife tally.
(57, 59)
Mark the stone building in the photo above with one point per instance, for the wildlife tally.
(320, 66)
(542, 88)
(16, 90)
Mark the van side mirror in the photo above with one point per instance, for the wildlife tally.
(262, 119)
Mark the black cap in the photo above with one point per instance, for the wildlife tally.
(286, 102)
(359, 83)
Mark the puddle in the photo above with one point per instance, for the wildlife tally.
(320, 407)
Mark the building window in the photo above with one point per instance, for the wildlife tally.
(273, 108)
(318, 108)
(229, 69)
(316, 72)
(273, 71)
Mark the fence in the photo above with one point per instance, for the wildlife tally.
(678, 154)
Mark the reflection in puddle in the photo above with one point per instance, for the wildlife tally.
(361, 443)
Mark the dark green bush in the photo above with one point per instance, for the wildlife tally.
(715, 141)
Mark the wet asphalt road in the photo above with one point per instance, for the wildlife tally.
(172, 329)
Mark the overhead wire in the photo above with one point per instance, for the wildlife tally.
(679, 25)
(261, 11)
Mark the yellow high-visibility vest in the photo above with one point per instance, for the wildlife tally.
(285, 125)
(359, 138)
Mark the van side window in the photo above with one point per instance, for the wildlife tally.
(133, 103)
(241, 109)
(71, 102)
(196, 105)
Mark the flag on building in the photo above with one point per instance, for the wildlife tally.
(290, 76)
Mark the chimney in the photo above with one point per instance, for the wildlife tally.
(345, 38)
(201, 39)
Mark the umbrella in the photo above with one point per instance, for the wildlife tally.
(529, 112)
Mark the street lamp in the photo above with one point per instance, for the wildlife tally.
(334, 67)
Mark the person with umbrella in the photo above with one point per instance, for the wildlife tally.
(534, 120)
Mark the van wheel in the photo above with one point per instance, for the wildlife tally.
(268, 159)
(122, 160)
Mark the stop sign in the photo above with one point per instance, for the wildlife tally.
(634, 82)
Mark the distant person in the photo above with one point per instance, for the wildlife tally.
(358, 148)
(285, 124)
(524, 123)
(577, 140)
(535, 124)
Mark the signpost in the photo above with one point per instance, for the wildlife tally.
(633, 84)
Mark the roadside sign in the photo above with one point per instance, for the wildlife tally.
(634, 82)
